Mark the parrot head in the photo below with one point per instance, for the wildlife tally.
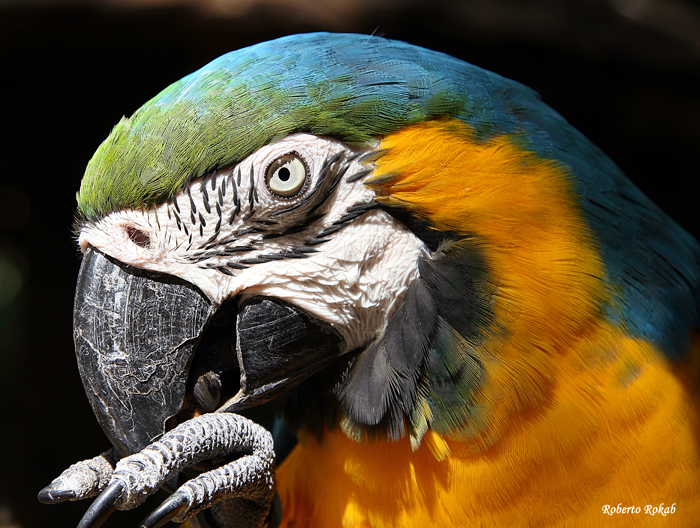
(359, 229)
(236, 289)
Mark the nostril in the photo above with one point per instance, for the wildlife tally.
(138, 237)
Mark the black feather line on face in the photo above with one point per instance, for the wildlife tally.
(209, 242)
(358, 175)
(205, 194)
(193, 208)
(421, 227)
(298, 228)
(330, 175)
(177, 220)
(331, 188)
(251, 191)
(235, 212)
(234, 186)
(332, 172)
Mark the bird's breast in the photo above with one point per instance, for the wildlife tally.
(619, 429)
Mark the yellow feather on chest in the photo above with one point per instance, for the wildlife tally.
(607, 437)
(574, 414)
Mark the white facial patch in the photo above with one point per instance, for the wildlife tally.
(292, 221)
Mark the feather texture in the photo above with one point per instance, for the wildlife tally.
(606, 435)
(549, 331)
(357, 88)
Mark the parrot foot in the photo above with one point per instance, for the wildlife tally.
(250, 477)
(81, 481)
(246, 477)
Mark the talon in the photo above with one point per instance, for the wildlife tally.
(103, 507)
(48, 495)
(83, 479)
(171, 508)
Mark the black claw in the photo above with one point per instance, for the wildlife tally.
(103, 507)
(51, 496)
(171, 508)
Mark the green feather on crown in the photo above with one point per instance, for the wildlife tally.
(352, 87)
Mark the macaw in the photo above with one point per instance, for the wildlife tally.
(461, 309)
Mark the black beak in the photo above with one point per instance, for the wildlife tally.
(145, 340)
(134, 334)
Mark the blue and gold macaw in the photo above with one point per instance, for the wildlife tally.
(463, 311)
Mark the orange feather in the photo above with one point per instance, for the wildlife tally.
(575, 414)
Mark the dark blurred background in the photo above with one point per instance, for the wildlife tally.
(625, 72)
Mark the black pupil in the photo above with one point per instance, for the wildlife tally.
(284, 174)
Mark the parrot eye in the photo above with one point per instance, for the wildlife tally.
(287, 175)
